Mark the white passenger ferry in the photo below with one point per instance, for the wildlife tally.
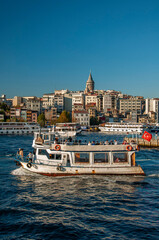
(153, 127)
(18, 128)
(67, 129)
(123, 128)
(60, 159)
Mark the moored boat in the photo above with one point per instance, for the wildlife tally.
(67, 129)
(18, 128)
(122, 128)
(53, 158)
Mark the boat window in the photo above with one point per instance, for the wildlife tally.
(81, 157)
(58, 156)
(100, 157)
(46, 137)
(43, 152)
(55, 156)
(120, 158)
(52, 156)
(68, 157)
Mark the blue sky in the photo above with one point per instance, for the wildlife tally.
(53, 44)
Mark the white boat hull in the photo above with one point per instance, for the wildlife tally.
(118, 130)
(78, 170)
(67, 133)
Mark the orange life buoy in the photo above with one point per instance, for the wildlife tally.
(129, 148)
(57, 147)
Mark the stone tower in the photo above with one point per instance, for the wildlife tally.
(89, 85)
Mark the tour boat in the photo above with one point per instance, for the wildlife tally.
(18, 127)
(67, 129)
(123, 128)
(53, 158)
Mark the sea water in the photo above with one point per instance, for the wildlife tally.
(81, 207)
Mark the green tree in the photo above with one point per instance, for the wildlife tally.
(41, 120)
(94, 121)
(64, 117)
(4, 106)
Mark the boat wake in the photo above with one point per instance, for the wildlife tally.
(143, 160)
(154, 175)
(20, 172)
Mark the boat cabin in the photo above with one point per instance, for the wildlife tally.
(53, 158)
(86, 156)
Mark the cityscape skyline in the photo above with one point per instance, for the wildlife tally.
(51, 45)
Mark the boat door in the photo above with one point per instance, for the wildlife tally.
(66, 160)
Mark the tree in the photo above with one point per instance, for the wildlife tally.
(64, 117)
(41, 120)
(4, 106)
(94, 121)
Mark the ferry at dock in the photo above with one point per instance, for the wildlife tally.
(52, 157)
(18, 128)
(123, 128)
(67, 129)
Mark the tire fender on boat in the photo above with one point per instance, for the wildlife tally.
(59, 167)
(29, 165)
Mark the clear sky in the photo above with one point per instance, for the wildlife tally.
(52, 44)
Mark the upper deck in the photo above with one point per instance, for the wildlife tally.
(94, 148)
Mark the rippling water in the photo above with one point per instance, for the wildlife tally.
(81, 207)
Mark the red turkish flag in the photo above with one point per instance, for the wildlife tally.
(147, 136)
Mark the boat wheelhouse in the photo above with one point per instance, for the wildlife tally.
(59, 159)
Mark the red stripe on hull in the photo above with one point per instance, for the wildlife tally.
(63, 174)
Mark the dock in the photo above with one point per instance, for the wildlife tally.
(154, 143)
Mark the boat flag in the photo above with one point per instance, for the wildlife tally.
(147, 136)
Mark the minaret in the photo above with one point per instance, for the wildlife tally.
(89, 84)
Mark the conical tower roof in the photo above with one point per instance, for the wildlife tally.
(90, 79)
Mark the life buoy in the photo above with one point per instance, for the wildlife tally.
(29, 165)
(138, 148)
(57, 147)
(129, 148)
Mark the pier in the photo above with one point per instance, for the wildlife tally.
(154, 143)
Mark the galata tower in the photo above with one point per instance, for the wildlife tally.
(89, 85)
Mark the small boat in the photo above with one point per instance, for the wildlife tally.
(67, 129)
(53, 158)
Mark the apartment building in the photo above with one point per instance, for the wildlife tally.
(51, 115)
(34, 104)
(78, 99)
(109, 102)
(91, 99)
(152, 105)
(81, 117)
(17, 101)
(48, 100)
(133, 104)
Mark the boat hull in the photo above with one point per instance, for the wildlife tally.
(78, 170)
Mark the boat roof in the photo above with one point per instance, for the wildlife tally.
(93, 148)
